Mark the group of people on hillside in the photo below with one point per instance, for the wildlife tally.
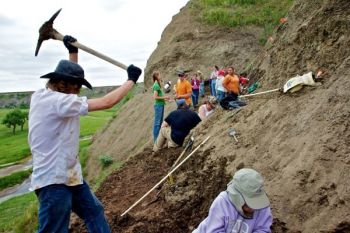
(223, 84)
(178, 124)
(54, 142)
(244, 206)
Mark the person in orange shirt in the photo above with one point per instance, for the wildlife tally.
(231, 83)
(183, 88)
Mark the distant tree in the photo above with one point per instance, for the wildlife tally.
(14, 118)
(24, 118)
(23, 105)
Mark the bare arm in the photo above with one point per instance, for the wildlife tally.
(110, 99)
(164, 124)
(201, 112)
(157, 97)
(73, 57)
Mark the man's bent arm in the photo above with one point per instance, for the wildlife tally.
(110, 99)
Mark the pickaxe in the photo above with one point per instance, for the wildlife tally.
(47, 31)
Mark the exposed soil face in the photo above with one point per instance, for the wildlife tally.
(169, 208)
(299, 142)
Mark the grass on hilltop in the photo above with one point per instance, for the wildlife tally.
(236, 13)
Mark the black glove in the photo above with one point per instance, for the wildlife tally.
(71, 48)
(133, 73)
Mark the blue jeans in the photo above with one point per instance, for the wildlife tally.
(220, 95)
(201, 89)
(195, 95)
(158, 119)
(58, 200)
(212, 89)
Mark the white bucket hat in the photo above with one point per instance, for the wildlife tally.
(250, 185)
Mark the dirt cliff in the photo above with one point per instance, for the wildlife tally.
(299, 142)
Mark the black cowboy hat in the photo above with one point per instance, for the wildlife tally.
(69, 71)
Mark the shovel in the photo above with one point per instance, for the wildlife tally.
(292, 85)
(233, 132)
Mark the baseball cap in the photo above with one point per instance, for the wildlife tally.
(221, 72)
(180, 102)
(250, 185)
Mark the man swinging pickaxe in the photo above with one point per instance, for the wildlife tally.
(47, 31)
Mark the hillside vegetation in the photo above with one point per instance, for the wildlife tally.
(238, 13)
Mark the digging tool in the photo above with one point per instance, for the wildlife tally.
(233, 132)
(261, 93)
(165, 177)
(292, 85)
(188, 147)
(47, 31)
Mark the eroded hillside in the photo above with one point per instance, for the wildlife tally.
(299, 142)
(185, 44)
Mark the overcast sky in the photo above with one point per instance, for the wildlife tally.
(126, 30)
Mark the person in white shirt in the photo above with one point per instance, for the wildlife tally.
(206, 109)
(220, 90)
(54, 142)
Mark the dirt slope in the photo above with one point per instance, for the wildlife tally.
(299, 142)
(185, 44)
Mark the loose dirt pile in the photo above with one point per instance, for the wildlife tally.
(170, 208)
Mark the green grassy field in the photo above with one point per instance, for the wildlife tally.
(14, 147)
(14, 178)
(14, 212)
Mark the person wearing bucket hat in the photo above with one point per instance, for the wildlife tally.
(54, 143)
(243, 207)
(206, 109)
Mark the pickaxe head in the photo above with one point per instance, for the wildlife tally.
(46, 31)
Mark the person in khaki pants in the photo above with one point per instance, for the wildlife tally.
(176, 126)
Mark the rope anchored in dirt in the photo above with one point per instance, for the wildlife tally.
(164, 178)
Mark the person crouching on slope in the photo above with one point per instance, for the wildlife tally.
(206, 109)
(242, 208)
(54, 142)
(176, 126)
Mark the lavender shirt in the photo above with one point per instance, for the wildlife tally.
(224, 218)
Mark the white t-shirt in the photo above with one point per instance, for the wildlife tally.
(219, 85)
(54, 128)
(205, 109)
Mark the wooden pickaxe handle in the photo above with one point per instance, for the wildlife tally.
(59, 36)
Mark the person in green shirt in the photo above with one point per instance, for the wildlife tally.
(159, 103)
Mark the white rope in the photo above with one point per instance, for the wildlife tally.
(164, 178)
(260, 93)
